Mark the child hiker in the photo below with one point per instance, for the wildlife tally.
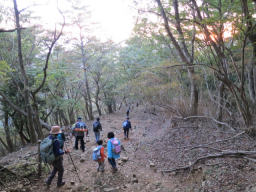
(99, 156)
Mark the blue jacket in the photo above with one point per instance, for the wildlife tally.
(81, 125)
(56, 146)
(109, 148)
(128, 126)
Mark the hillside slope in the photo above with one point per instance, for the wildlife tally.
(155, 144)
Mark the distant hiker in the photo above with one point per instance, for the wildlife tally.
(99, 156)
(58, 153)
(97, 128)
(128, 111)
(114, 150)
(126, 126)
(78, 131)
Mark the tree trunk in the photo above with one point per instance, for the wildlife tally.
(98, 107)
(63, 117)
(251, 78)
(182, 51)
(219, 113)
(86, 105)
(24, 76)
(110, 109)
(193, 93)
(97, 99)
(7, 133)
(71, 115)
(36, 119)
(87, 88)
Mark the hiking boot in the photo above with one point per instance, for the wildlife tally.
(114, 170)
(47, 184)
(60, 185)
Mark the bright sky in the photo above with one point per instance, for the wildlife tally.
(115, 18)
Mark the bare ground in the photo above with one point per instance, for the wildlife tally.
(156, 144)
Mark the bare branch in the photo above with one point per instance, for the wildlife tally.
(234, 154)
(55, 39)
(218, 122)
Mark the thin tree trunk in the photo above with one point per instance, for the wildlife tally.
(97, 99)
(182, 51)
(251, 76)
(24, 76)
(219, 113)
(7, 133)
(87, 88)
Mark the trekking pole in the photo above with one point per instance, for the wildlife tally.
(73, 165)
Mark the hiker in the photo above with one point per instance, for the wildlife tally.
(97, 128)
(128, 111)
(99, 156)
(58, 153)
(126, 126)
(114, 149)
(78, 131)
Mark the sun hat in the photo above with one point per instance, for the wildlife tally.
(55, 130)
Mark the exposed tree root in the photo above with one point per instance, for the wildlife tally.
(223, 154)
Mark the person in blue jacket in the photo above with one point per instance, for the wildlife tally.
(127, 126)
(58, 162)
(78, 131)
(111, 155)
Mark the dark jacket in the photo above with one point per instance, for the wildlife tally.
(98, 124)
(128, 126)
(56, 146)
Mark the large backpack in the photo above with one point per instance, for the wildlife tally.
(96, 154)
(77, 125)
(61, 138)
(96, 126)
(116, 149)
(46, 150)
(125, 123)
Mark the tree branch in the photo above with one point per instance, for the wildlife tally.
(234, 154)
(16, 108)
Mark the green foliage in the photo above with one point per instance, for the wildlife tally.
(4, 70)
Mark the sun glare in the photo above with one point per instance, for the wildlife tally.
(228, 32)
(114, 18)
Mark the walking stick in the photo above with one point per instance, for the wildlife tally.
(73, 165)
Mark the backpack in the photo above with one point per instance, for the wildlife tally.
(96, 154)
(46, 150)
(125, 123)
(77, 125)
(61, 138)
(116, 146)
(96, 126)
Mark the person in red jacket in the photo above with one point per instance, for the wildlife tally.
(102, 155)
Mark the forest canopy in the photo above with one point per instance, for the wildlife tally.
(189, 57)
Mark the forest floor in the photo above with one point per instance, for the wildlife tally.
(156, 144)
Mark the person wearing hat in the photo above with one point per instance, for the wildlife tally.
(78, 131)
(58, 162)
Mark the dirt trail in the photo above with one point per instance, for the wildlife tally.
(155, 144)
(135, 174)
